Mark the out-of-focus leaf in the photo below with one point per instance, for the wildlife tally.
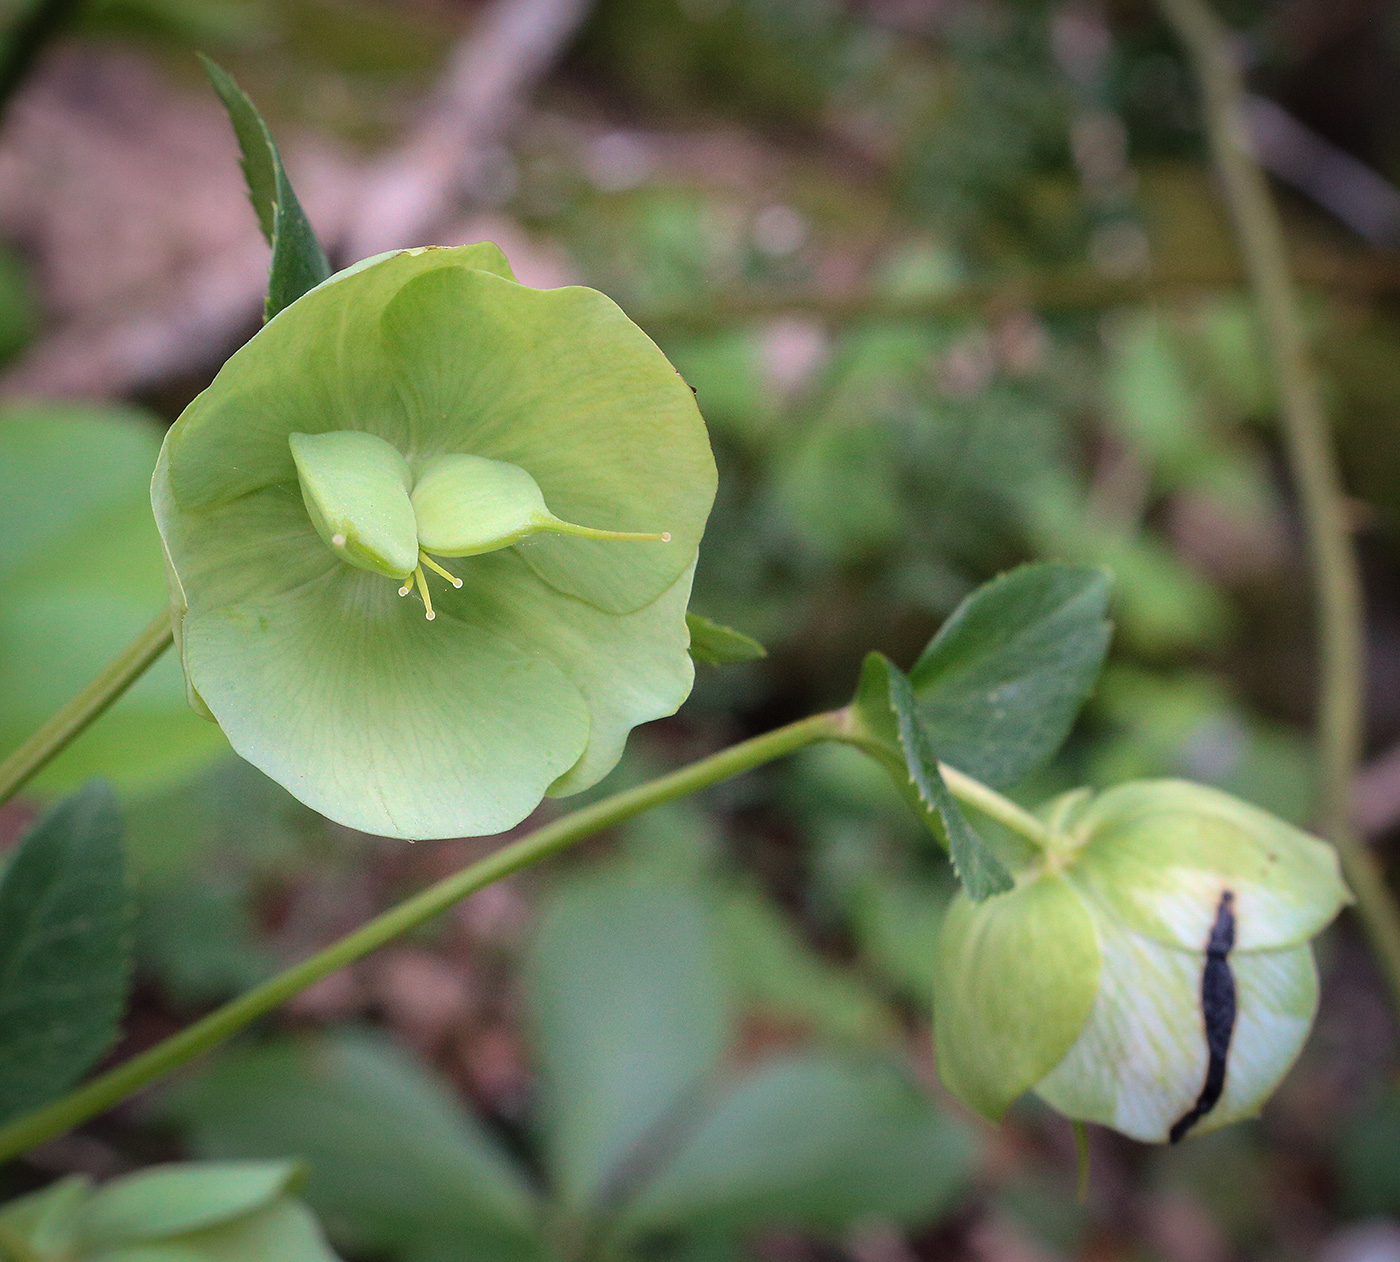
(999, 686)
(177, 1199)
(810, 1141)
(45, 1221)
(80, 575)
(769, 968)
(298, 261)
(840, 489)
(896, 920)
(395, 1164)
(717, 645)
(1368, 1157)
(627, 1008)
(19, 313)
(180, 1213)
(887, 710)
(286, 1231)
(64, 949)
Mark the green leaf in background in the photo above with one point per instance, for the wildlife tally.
(888, 712)
(999, 686)
(627, 1008)
(64, 949)
(80, 575)
(395, 1164)
(298, 261)
(811, 1141)
(197, 1212)
(173, 1200)
(770, 969)
(716, 645)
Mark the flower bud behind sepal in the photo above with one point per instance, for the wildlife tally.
(1201, 909)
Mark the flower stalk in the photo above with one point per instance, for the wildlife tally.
(74, 718)
(1336, 578)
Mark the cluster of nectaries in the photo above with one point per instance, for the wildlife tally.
(365, 502)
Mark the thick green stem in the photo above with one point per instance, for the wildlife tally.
(56, 735)
(126, 1079)
(1336, 579)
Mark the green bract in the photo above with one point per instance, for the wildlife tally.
(1153, 974)
(416, 407)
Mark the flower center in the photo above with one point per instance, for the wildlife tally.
(365, 504)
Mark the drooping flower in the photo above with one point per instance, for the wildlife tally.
(431, 536)
(1154, 974)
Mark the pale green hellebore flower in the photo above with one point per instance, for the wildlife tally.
(1153, 974)
(372, 592)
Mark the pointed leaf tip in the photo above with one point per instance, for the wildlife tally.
(299, 263)
(714, 644)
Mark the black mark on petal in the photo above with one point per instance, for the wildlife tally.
(1218, 1011)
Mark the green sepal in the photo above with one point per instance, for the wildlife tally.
(355, 487)
(1160, 853)
(298, 261)
(714, 644)
(890, 727)
(1014, 982)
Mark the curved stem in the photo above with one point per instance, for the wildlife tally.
(974, 793)
(126, 1079)
(1336, 579)
(56, 735)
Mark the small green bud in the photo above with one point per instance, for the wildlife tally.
(1153, 974)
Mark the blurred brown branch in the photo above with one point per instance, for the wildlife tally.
(189, 306)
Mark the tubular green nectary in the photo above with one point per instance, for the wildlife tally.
(420, 407)
(1154, 974)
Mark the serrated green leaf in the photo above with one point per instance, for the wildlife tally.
(298, 261)
(714, 644)
(893, 731)
(980, 871)
(811, 1141)
(395, 1165)
(64, 949)
(999, 686)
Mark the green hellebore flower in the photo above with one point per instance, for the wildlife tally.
(417, 407)
(1153, 974)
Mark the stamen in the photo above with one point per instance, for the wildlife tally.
(406, 588)
(423, 592)
(437, 569)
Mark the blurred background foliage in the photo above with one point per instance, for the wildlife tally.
(954, 288)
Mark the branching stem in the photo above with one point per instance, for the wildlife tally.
(116, 1085)
(69, 722)
(1336, 579)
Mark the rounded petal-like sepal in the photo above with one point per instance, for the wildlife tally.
(424, 402)
(355, 488)
(1160, 853)
(1015, 980)
(1157, 1062)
